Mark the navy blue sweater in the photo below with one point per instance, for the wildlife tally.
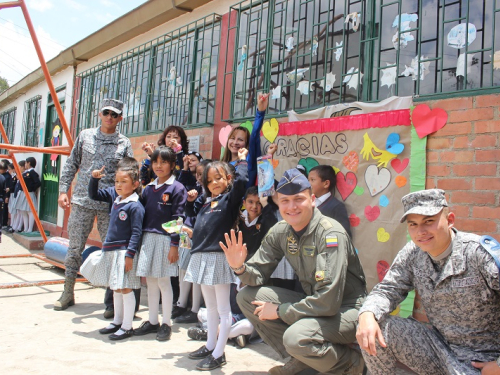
(335, 209)
(8, 182)
(32, 180)
(162, 205)
(219, 215)
(125, 219)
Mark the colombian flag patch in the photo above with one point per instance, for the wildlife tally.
(331, 242)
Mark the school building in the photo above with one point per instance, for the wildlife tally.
(200, 64)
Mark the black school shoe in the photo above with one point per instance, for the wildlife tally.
(146, 328)
(164, 332)
(107, 331)
(126, 335)
(177, 311)
(188, 317)
(211, 363)
(201, 353)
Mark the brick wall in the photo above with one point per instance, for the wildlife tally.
(463, 159)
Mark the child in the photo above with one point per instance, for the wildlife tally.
(32, 181)
(4, 171)
(16, 217)
(188, 175)
(323, 181)
(115, 266)
(208, 265)
(164, 200)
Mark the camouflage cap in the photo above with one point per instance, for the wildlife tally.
(424, 202)
(113, 105)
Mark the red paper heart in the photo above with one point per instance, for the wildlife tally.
(398, 165)
(346, 184)
(354, 220)
(427, 121)
(382, 268)
(371, 213)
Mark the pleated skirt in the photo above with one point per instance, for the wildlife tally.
(209, 269)
(153, 257)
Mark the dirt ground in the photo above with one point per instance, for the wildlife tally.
(35, 339)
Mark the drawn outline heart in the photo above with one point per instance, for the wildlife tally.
(427, 121)
(399, 165)
(377, 180)
(346, 184)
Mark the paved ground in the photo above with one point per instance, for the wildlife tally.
(35, 339)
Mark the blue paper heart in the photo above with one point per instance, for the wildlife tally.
(384, 201)
(392, 144)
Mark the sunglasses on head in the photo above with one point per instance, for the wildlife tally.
(108, 112)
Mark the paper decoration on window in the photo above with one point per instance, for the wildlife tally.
(173, 81)
(392, 144)
(369, 149)
(353, 18)
(205, 69)
(276, 92)
(352, 77)
(242, 58)
(377, 179)
(496, 60)
(104, 90)
(412, 70)
(401, 40)
(305, 87)
(296, 75)
(388, 76)
(328, 83)
(290, 43)
(457, 35)
(270, 129)
(314, 46)
(338, 51)
(461, 64)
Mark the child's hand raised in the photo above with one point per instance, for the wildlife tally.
(98, 173)
(129, 262)
(192, 195)
(262, 101)
(273, 147)
(148, 148)
(242, 153)
(185, 161)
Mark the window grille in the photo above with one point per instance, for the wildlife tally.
(31, 121)
(8, 118)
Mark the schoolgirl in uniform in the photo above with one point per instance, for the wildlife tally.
(15, 217)
(164, 200)
(115, 266)
(208, 265)
(32, 181)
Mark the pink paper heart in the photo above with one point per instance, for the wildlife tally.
(427, 121)
(346, 184)
(399, 165)
(382, 268)
(354, 220)
(224, 134)
(371, 213)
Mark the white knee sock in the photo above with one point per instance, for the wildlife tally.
(184, 289)
(222, 292)
(167, 298)
(243, 327)
(196, 298)
(128, 310)
(153, 299)
(118, 307)
(31, 221)
(24, 215)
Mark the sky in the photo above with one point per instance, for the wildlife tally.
(58, 24)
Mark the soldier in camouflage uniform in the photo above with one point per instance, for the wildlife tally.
(458, 282)
(315, 327)
(93, 149)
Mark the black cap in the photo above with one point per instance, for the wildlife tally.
(292, 182)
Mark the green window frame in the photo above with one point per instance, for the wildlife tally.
(170, 80)
(8, 118)
(31, 121)
(296, 47)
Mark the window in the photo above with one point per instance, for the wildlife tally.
(312, 53)
(8, 119)
(168, 81)
(31, 121)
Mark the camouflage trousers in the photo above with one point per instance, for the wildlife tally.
(80, 223)
(420, 348)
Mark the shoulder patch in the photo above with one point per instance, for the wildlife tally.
(332, 241)
(326, 224)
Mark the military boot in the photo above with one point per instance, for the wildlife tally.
(292, 367)
(67, 298)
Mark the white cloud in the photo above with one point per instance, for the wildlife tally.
(108, 3)
(18, 57)
(75, 5)
(40, 5)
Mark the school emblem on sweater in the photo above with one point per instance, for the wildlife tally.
(165, 197)
(332, 241)
(214, 204)
(292, 245)
(319, 275)
(257, 226)
(122, 215)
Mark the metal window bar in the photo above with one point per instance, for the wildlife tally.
(31, 121)
(170, 80)
(8, 119)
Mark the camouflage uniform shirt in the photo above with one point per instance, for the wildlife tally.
(93, 150)
(461, 296)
